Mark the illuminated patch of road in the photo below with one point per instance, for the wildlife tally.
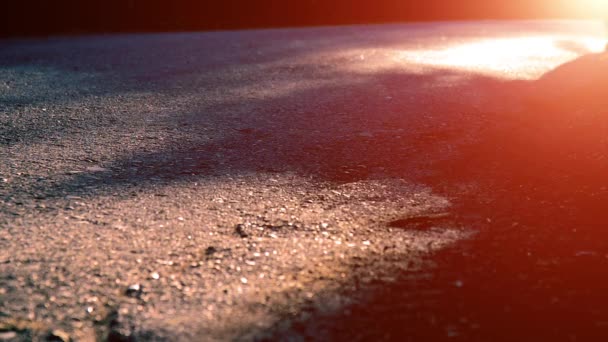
(509, 58)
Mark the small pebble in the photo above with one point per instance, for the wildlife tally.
(7, 335)
(60, 335)
(240, 230)
(134, 290)
(96, 169)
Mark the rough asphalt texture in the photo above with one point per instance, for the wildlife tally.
(371, 182)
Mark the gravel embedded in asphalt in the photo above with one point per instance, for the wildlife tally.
(222, 185)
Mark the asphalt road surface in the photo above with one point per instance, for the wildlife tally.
(421, 182)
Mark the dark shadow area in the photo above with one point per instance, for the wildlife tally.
(422, 222)
(340, 148)
(535, 271)
(50, 74)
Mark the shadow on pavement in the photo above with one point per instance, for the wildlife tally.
(331, 132)
(536, 269)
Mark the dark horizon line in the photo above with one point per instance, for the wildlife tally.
(70, 17)
(219, 28)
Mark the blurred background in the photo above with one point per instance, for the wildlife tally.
(25, 18)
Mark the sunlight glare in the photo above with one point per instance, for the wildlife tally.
(511, 58)
(590, 8)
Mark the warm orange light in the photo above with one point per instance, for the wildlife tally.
(584, 8)
(509, 58)
(594, 5)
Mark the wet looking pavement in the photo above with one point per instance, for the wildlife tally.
(423, 182)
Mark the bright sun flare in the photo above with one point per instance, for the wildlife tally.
(515, 58)
(588, 8)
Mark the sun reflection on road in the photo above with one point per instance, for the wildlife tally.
(510, 58)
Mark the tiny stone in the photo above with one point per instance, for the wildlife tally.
(155, 275)
(240, 230)
(134, 290)
(244, 280)
(135, 287)
(7, 335)
(59, 334)
(96, 169)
